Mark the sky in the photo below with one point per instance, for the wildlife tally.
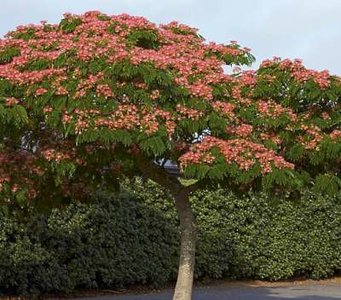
(306, 29)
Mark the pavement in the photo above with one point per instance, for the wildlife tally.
(242, 292)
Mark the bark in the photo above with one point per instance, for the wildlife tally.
(183, 289)
(184, 284)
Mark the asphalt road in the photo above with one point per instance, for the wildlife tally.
(227, 292)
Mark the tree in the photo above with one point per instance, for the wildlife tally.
(98, 97)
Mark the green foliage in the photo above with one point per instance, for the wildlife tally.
(25, 35)
(69, 25)
(153, 145)
(327, 183)
(132, 238)
(65, 58)
(7, 54)
(247, 59)
(17, 115)
(147, 39)
(36, 65)
(262, 238)
(113, 242)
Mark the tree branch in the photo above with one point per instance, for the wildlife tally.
(160, 176)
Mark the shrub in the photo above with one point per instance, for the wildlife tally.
(262, 238)
(132, 238)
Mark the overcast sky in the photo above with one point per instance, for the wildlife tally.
(307, 29)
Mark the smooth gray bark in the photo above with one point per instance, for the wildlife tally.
(183, 288)
(184, 284)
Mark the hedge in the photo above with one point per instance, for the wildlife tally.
(132, 238)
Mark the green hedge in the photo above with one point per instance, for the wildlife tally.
(133, 238)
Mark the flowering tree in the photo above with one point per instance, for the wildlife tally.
(96, 97)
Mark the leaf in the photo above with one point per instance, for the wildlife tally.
(19, 114)
(153, 145)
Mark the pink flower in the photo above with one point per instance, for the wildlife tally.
(11, 101)
(40, 91)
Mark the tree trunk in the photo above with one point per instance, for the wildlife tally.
(183, 288)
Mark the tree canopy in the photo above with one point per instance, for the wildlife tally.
(82, 100)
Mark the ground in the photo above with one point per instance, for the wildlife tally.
(236, 290)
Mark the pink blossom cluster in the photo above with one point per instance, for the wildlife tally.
(236, 94)
(188, 113)
(227, 50)
(59, 152)
(272, 137)
(54, 155)
(184, 52)
(325, 116)
(40, 91)
(150, 121)
(272, 109)
(155, 94)
(313, 136)
(240, 151)
(11, 101)
(125, 116)
(61, 91)
(17, 172)
(149, 124)
(89, 83)
(169, 120)
(224, 108)
(299, 72)
(28, 77)
(248, 78)
(242, 130)
(335, 134)
(195, 66)
(104, 90)
(201, 89)
(180, 49)
(174, 26)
